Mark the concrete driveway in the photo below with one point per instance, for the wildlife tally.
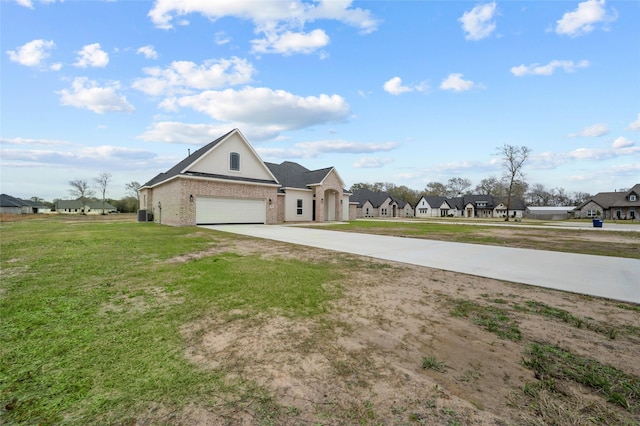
(602, 276)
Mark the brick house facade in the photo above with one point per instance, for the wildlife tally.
(226, 182)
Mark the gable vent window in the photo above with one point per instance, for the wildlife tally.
(234, 161)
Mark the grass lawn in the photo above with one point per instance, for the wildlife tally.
(109, 321)
(90, 316)
(604, 243)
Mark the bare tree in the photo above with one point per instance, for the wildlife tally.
(81, 190)
(458, 186)
(37, 200)
(490, 186)
(580, 197)
(436, 188)
(103, 181)
(513, 158)
(538, 195)
(132, 188)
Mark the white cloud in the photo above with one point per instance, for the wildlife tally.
(394, 86)
(316, 148)
(548, 69)
(281, 22)
(478, 22)
(622, 142)
(288, 42)
(29, 3)
(456, 83)
(346, 147)
(92, 55)
(583, 19)
(552, 160)
(183, 76)
(32, 142)
(221, 38)
(25, 3)
(87, 94)
(32, 53)
(265, 108)
(371, 163)
(271, 14)
(184, 133)
(148, 51)
(113, 156)
(635, 125)
(594, 131)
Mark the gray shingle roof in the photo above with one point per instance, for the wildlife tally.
(362, 195)
(436, 201)
(376, 198)
(293, 175)
(9, 201)
(607, 200)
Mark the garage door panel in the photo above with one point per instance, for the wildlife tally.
(211, 211)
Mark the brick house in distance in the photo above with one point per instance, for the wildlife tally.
(612, 205)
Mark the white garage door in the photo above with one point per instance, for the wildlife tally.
(229, 210)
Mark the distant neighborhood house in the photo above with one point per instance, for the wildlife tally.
(468, 206)
(612, 205)
(86, 207)
(13, 205)
(379, 204)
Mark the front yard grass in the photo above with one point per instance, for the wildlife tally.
(109, 321)
(603, 243)
(90, 316)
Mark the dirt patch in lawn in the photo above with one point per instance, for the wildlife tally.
(412, 345)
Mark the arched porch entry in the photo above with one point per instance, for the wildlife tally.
(328, 205)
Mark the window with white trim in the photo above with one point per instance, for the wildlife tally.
(632, 197)
(234, 161)
(299, 206)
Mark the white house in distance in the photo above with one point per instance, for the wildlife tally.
(468, 206)
(226, 181)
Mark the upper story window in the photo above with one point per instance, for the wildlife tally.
(234, 161)
(632, 197)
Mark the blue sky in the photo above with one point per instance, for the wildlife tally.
(408, 92)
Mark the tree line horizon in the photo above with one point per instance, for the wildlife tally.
(510, 185)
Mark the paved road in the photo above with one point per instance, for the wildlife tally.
(602, 276)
